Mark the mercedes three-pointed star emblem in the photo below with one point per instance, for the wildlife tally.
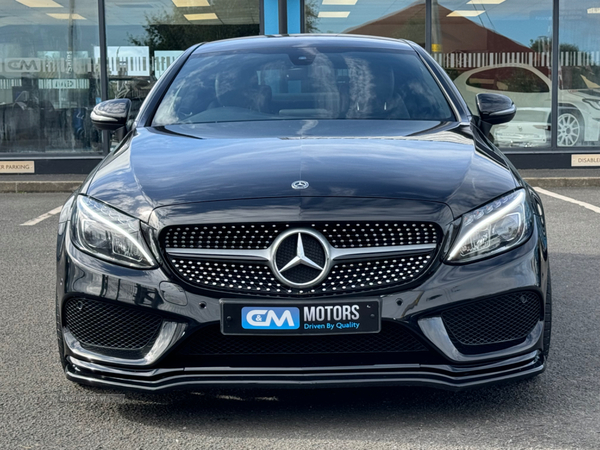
(300, 184)
(310, 251)
(300, 258)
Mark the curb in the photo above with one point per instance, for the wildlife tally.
(551, 182)
(70, 186)
(38, 186)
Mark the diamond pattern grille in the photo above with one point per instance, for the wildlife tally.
(344, 277)
(500, 319)
(228, 236)
(341, 234)
(392, 338)
(378, 234)
(102, 324)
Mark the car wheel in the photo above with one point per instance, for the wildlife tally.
(570, 128)
(59, 339)
(548, 317)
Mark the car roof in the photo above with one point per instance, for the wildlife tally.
(301, 40)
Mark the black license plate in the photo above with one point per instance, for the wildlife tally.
(291, 318)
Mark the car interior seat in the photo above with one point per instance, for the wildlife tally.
(237, 89)
(373, 94)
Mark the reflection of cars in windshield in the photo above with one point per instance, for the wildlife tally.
(303, 211)
(579, 111)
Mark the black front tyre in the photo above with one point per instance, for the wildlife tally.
(59, 338)
(548, 317)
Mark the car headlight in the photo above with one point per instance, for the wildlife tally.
(593, 102)
(493, 228)
(109, 234)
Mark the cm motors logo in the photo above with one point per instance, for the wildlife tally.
(270, 318)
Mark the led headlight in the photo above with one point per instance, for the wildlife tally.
(109, 234)
(494, 228)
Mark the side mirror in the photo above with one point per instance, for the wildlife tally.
(494, 109)
(111, 114)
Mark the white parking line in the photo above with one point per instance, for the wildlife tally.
(42, 217)
(568, 199)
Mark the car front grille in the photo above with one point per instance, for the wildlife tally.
(339, 234)
(497, 320)
(108, 326)
(393, 338)
(257, 278)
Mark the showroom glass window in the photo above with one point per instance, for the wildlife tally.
(500, 46)
(400, 19)
(49, 75)
(579, 76)
(144, 38)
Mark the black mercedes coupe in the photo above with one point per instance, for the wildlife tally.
(303, 211)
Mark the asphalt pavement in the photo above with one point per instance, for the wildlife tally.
(39, 408)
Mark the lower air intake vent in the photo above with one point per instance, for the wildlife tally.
(392, 338)
(100, 324)
(496, 320)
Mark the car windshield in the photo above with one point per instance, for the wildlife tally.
(303, 83)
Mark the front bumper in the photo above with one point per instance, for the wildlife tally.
(417, 309)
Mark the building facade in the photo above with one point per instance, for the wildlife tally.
(59, 58)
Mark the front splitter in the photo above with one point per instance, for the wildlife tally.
(438, 376)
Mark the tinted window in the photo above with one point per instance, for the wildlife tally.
(509, 79)
(307, 83)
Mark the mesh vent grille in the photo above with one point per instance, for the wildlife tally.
(102, 324)
(258, 279)
(378, 234)
(392, 338)
(339, 234)
(228, 236)
(493, 321)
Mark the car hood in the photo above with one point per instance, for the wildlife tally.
(422, 161)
